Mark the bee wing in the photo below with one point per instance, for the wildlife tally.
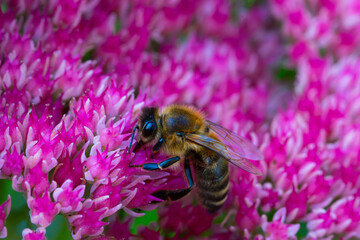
(243, 147)
(224, 151)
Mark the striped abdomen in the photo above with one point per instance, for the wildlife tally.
(212, 181)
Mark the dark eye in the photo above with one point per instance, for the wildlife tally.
(149, 129)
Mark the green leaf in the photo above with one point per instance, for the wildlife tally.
(219, 219)
(154, 46)
(249, 3)
(206, 234)
(89, 55)
(303, 231)
(167, 233)
(322, 52)
(58, 229)
(18, 218)
(118, 25)
(4, 7)
(149, 217)
(286, 74)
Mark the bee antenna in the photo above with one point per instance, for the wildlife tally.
(132, 137)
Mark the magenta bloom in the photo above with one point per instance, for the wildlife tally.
(277, 229)
(88, 221)
(70, 199)
(284, 74)
(28, 234)
(4, 212)
(42, 210)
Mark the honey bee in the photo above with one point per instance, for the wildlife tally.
(183, 133)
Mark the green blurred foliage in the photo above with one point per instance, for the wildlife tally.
(303, 231)
(3, 7)
(149, 217)
(249, 3)
(89, 55)
(19, 217)
(286, 74)
(58, 229)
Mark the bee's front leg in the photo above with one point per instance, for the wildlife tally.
(158, 145)
(158, 166)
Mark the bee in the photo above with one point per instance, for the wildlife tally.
(183, 133)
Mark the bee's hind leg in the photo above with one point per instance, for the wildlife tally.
(179, 193)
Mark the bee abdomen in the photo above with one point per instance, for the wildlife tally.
(213, 188)
(213, 196)
(212, 201)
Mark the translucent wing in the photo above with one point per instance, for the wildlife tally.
(224, 151)
(240, 145)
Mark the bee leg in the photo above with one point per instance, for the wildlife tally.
(158, 145)
(179, 193)
(158, 166)
(132, 137)
(138, 146)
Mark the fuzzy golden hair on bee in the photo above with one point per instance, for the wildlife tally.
(183, 133)
(183, 119)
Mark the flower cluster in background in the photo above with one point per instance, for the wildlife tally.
(283, 73)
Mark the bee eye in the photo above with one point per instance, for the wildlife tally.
(149, 129)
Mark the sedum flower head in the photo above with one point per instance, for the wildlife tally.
(4, 213)
(74, 76)
(277, 229)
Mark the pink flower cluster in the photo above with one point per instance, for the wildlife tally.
(4, 212)
(75, 74)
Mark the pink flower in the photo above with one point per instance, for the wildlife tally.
(112, 136)
(245, 191)
(282, 73)
(149, 234)
(109, 196)
(4, 213)
(277, 229)
(70, 168)
(319, 190)
(188, 220)
(68, 12)
(296, 204)
(10, 131)
(42, 209)
(38, 234)
(321, 224)
(120, 229)
(70, 199)
(347, 215)
(270, 199)
(99, 165)
(88, 221)
(41, 148)
(36, 181)
(13, 163)
(247, 216)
